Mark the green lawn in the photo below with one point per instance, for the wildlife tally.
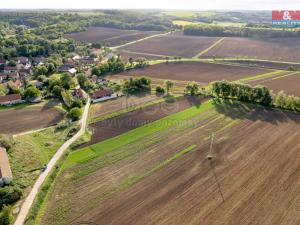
(106, 146)
(31, 151)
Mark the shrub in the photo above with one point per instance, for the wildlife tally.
(5, 216)
(5, 141)
(160, 90)
(75, 113)
(62, 125)
(9, 195)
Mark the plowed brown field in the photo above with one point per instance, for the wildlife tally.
(254, 178)
(196, 71)
(110, 36)
(15, 121)
(173, 45)
(278, 49)
(118, 125)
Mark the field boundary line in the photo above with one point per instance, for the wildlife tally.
(147, 54)
(139, 40)
(261, 76)
(209, 48)
(287, 75)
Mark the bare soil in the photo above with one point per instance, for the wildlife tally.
(118, 125)
(278, 49)
(253, 178)
(195, 71)
(175, 44)
(289, 84)
(115, 105)
(110, 36)
(15, 121)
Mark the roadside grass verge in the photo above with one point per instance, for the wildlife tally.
(39, 205)
(106, 146)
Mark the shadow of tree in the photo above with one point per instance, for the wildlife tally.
(239, 110)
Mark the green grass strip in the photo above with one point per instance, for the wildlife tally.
(265, 75)
(209, 48)
(287, 75)
(135, 179)
(109, 145)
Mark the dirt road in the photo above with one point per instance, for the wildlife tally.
(38, 184)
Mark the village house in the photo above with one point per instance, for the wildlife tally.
(3, 62)
(10, 69)
(103, 95)
(79, 93)
(22, 60)
(38, 60)
(5, 171)
(11, 99)
(13, 76)
(3, 77)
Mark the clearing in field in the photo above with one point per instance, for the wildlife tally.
(172, 45)
(196, 71)
(160, 174)
(19, 120)
(278, 49)
(110, 36)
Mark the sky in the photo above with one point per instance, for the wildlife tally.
(153, 4)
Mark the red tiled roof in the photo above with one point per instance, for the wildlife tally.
(12, 68)
(9, 98)
(102, 93)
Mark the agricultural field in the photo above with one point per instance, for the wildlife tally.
(159, 174)
(288, 83)
(125, 122)
(19, 120)
(106, 108)
(278, 49)
(110, 36)
(196, 71)
(175, 44)
(126, 55)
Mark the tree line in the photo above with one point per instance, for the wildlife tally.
(258, 94)
(229, 31)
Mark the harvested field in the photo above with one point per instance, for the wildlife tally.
(253, 178)
(15, 121)
(118, 125)
(279, 49)
(288, 84)
(115, 105)
(195, 71)
(264, 64)
(173, 45)
(126, 55)
(110, 36)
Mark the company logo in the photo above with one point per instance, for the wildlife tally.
(286, 18)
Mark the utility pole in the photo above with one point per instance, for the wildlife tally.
(210, 156)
